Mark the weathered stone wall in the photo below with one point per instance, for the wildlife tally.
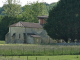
(30, 40)
(7, 38)
(19, 37)
(18, 31)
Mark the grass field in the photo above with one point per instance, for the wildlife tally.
(61, 57)
(37, 50)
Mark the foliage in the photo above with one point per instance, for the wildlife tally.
(1, 9)
(48, 7)
(12, 8)
(52, 6)
(1, 17)
(4, 25)
(64, 20)
(32, 10)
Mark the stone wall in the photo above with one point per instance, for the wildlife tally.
(19, 37)
(37, 40)
(30, 40)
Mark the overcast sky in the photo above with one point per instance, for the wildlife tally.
(23, 2)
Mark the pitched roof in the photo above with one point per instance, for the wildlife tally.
(27, 24)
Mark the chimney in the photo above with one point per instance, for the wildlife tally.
(42, 19)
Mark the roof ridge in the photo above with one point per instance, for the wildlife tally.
(30, 22)
(21, 23)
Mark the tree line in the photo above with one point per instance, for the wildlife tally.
(48, 7)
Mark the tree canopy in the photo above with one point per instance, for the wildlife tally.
(12, 8)
(32, 10)
(64, 20)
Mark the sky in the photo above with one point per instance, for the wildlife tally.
(23, 2)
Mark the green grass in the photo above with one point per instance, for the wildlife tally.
(2, 42)
(59, 57)
(37, 50)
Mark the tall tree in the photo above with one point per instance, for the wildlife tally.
(12, 8)
(32, 10)
(4, 24)
(64, 20)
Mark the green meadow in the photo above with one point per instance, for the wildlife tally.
(38, 52)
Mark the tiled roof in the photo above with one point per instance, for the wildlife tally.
(27, 24)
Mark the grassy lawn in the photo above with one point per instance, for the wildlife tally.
(61, 57)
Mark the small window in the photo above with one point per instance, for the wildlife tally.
(14, 35)
(19, 35)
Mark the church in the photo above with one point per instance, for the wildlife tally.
(28, 33)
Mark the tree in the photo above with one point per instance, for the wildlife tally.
(1, 9)
(32, 10)
(64, 20)
(1, 17)
(5, 23)
(52, 5)
(12, 8)
(28, 14)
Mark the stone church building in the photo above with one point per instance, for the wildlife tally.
(28, 33)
